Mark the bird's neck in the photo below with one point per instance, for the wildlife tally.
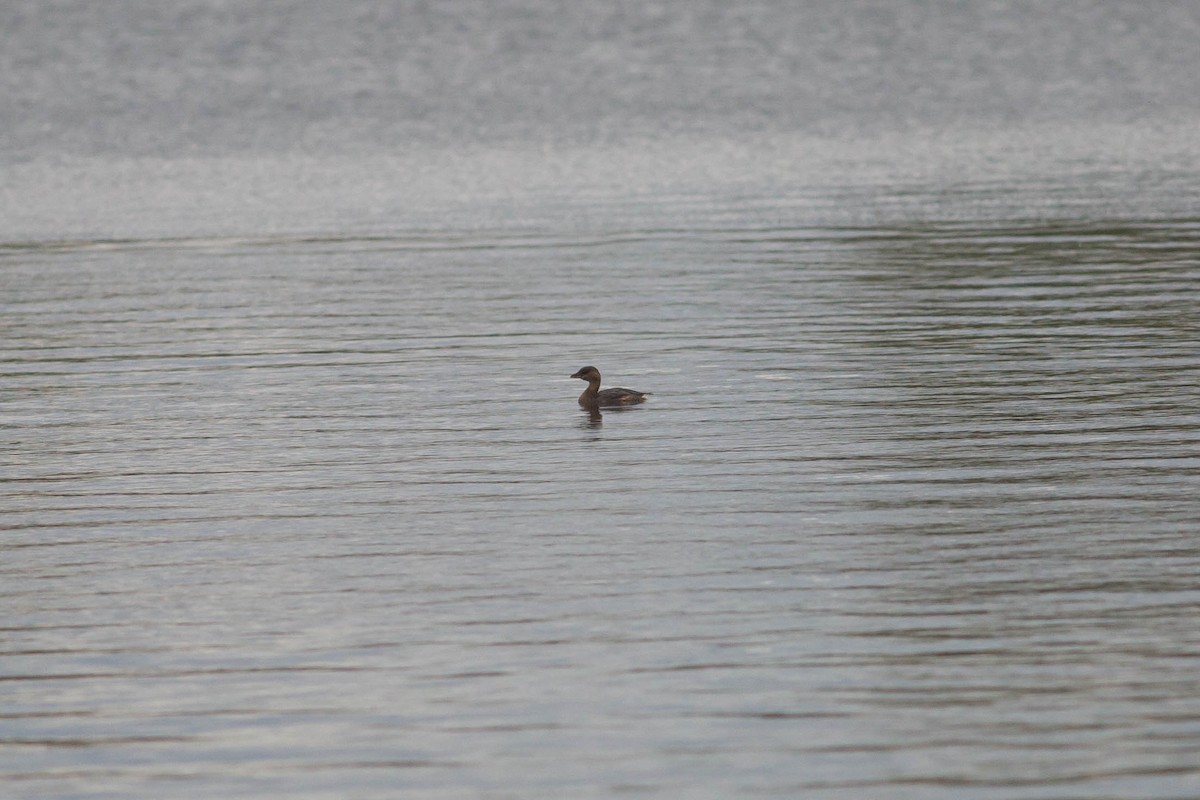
(589, 394)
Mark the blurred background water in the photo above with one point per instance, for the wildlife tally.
(297, 500)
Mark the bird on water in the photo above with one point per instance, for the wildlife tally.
(593, 396)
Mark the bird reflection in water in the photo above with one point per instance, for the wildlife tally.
(593, 415)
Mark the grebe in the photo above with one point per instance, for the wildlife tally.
(592, 396)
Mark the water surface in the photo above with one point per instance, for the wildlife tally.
(297, 500)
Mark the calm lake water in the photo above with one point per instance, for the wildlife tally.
(297, 500)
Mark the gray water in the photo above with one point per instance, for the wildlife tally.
(297, 500)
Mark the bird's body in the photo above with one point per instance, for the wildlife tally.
(593, 396)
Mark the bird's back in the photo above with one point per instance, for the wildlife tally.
(619, 397)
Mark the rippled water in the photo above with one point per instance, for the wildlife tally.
(911, 512)
(296, 499)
